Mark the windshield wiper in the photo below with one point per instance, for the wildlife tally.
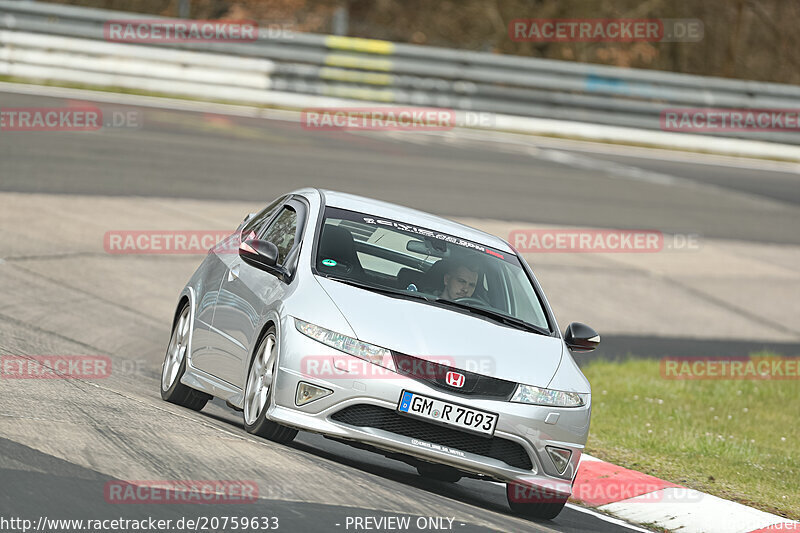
(499, 317)
(506, 319)
(380, 289)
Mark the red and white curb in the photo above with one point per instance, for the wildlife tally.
(646, 500)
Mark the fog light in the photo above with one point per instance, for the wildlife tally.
(560, 458)
(307, 393)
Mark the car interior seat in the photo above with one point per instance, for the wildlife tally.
(433, 279)
(337, 243)
(407, 276)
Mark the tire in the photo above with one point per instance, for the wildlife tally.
(174, 366)
(258, 393)
(548, 506)
(438, 472)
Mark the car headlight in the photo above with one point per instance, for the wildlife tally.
(349, 345)
(553, 398)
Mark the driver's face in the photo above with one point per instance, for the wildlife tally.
(460, 283)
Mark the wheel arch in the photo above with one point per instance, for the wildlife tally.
(183, 300)
(187, 297)
(269, 323)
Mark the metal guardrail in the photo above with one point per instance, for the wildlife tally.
(363, 69)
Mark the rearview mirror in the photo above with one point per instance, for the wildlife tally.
(427, 247)
(581, 338)
(260, 254)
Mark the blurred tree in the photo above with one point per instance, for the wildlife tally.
(752, 39)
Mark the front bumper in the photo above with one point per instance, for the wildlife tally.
(520, 424)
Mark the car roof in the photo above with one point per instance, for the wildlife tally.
(407, 215)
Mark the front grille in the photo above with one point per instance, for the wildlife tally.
(435, 375)
(372, 416)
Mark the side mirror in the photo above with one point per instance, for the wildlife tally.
(260, 254)
(581, 338)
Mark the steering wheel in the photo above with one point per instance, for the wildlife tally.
(471, 300)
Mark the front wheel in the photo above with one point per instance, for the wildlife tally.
(172, 390)
(258, 393)
(534, 502)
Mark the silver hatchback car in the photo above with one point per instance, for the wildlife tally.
(392, 330)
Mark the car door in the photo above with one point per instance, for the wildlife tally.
(247, 291)
(215, 269)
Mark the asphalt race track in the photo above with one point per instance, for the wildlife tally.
(62, 441)
(192, 155)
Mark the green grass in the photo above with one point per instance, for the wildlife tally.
(736, 439)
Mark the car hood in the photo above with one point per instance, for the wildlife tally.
(448, 337)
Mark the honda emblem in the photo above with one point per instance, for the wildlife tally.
(454, 379)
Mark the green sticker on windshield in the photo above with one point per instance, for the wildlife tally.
(329, 262)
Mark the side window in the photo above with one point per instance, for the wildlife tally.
(281, 232)
(256, 225)
(524, 307)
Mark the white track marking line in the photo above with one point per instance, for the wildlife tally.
(660, 154)
(606, 518)
(157, 102)
(496, 137)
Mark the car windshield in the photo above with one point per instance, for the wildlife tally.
(405, 260)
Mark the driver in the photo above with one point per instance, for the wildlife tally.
(460, 281)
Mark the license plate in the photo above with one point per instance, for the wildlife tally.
(446, 413)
